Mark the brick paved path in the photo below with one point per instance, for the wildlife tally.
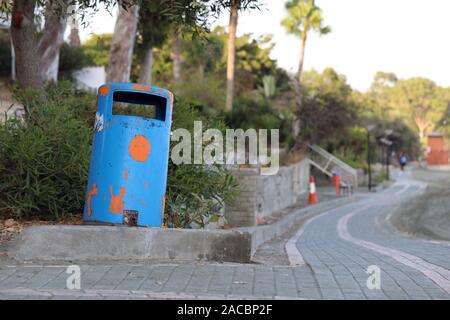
(329, 257)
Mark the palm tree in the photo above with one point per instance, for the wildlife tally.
(303, 16)
(232, 27)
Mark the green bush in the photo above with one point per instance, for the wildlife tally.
(258, 113)
(72, 59)
(44, 159)
(44, 162)
(196, 193)
(207, 91)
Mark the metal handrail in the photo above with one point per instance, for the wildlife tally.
(332, 159)
(328, 155)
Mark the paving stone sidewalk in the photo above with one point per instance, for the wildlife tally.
(337, 247)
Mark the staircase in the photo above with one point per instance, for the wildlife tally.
(329, 164)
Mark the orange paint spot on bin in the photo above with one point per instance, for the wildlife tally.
(142, 87)
(125, 174)
(139, 148)
(91, 193)
(116, 205)
(103, 91)
(170, 96)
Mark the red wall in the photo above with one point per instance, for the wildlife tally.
(437, 154)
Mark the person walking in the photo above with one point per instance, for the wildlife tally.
(403, 161)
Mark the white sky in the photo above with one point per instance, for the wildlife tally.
(407, 37)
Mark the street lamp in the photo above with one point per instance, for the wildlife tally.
(388, 145)
(369, 128)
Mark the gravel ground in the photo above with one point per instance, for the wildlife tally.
(428, 215)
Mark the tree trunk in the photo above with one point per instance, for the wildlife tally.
(296, 123)
(176, 61)
(232, 27)
(145, 76)
(23, 36)
(422, 125)
(302, 59)
(121, 52)
(74, 36)
(201, 71)
(51, 40)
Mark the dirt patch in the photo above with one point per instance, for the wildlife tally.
(8, 105)
(10, 228)
(428, 215)
(434, 178)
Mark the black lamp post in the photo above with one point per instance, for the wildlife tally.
(369, 128)
(388, 144)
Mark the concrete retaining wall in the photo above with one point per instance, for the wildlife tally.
(261, 196)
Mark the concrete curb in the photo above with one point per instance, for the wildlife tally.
(81, 243)
(84, 243)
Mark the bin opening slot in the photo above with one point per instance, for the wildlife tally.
(127, 103)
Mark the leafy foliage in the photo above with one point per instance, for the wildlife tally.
(418, 102)
(327, 107)
(72, 59)
(270, 86)
(205, 90)
(204, 65)
(258, 113)
(44, 159)
(97, 47)
(303, 16)
(422, 103)
(203, 55)
(196, 193)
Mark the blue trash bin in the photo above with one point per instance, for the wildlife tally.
(129, 162)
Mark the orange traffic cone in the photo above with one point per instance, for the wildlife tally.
(312, 199)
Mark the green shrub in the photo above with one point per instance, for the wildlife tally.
(44, 159)
(207, 91)
(258, 113)
(72, 59)
(96, 48)
(196, 193)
